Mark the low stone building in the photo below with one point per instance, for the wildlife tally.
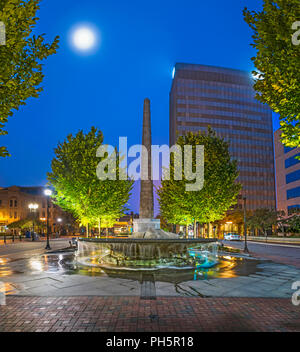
(14, 206)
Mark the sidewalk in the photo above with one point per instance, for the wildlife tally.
(29, 248)
(165, 314)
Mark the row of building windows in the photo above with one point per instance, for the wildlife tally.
(293, 193)
(291, 161)
(229, 122)
(257, 169)
(13, 203)
(246, 142)
(259, 188)
(242, 115)
(259, 197)
(227, 134)
(15, 214)
(221, 104)
(227, 78)
(215, 95)
(240, 148)
(293, 176)
(251, 161)
(219, 86)
(250, 155)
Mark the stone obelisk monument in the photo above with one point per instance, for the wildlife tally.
(146, 221)
(146, 193)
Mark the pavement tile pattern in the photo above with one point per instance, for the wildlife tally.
(165, 314)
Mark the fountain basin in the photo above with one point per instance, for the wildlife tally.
(147, 253)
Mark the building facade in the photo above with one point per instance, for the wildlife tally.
(224, 99)
(287, 176)
(14, 206)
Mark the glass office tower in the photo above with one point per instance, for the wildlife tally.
(224, 99)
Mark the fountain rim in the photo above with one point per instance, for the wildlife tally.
(148, 240)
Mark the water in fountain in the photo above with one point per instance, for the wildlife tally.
(147, 253)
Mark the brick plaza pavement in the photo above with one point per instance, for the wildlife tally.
(165, 314)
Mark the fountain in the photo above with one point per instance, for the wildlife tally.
(149, 247)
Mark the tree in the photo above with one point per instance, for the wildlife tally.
(277, 63)
(77, 187)
(236, 217)
(220, 188)
(20, 58)
(281, 220)
(294, 223)
(263, 219)
(27, 223)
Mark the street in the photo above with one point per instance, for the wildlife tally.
(279, 253)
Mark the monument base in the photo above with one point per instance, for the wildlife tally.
(143, 225)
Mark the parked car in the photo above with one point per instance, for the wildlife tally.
(232, 236)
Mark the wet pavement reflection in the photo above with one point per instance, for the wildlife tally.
(64, 263)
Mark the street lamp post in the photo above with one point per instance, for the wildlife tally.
(33, 207)
(48, 193)
(246, 250)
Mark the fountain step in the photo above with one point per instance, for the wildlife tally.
(148, 290)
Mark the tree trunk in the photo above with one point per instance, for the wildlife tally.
(195, 229)
(87, 230)
(99, 226)
(208, 229)
(187, 231)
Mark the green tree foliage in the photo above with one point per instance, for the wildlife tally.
(27, 224)
(294, 224)
(220, 188)
(77, 187)
(20, 58)
(277, 63)
(263, 219)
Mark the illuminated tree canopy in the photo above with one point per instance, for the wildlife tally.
(277, 62)
(220, 188)
(77, 187)
(20, 58)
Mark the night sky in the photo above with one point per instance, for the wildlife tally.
(140, 42)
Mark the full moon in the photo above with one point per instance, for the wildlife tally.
(84, 38)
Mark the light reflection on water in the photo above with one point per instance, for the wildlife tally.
(64, 263)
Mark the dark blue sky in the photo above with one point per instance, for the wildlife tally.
(140, 43)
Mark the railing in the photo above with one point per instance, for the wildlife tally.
(291, 240)
(12, 238)
(9, 239)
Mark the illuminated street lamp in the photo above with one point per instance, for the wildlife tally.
(33, 207)
(48, 193)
